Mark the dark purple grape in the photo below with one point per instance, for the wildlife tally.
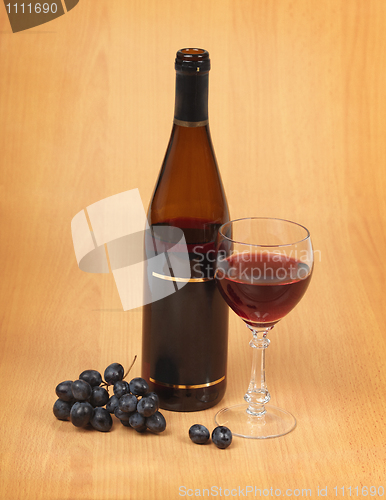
(156, 423)
(113, 373)
(147, 406)
(92, 377)
(112, 403)
(122, 415)
(81, 390)
(222, 437)
(62, 409)
(138, 386)
(128, 403)
(137, 422)
(81, 414)
(199, 434)
(101, 420)
(120, 388)
(99, 396)
(153, 396)
(64, 392)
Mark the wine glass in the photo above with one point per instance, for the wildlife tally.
(263, 268)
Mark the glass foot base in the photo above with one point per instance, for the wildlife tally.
(276, 422)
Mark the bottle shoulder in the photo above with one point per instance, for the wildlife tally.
(189, 183)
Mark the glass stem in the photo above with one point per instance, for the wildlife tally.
(257, 394)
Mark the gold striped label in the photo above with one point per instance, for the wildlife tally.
(180, 386)
(181, 280)
(181, 123)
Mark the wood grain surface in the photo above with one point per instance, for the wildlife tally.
(298, 121)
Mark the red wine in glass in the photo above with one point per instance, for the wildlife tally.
(262, 287)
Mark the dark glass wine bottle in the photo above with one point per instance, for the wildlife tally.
(185, 334)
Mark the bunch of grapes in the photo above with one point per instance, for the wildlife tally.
(86, 401)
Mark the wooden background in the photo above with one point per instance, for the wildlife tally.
(298, 120)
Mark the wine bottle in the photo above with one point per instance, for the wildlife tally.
(185, 335)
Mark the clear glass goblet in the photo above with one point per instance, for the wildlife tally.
(263, 269)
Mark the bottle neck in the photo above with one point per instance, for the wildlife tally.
(191, 105)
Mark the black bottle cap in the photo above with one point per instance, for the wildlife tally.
(192, 60)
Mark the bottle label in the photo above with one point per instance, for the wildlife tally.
(182, 123)
(186, 332)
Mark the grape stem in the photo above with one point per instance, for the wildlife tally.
(131, 366)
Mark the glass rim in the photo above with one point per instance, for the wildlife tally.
(308, 235)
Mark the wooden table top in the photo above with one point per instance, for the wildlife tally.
(298, 121)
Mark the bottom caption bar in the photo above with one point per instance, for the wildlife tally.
(256, 492)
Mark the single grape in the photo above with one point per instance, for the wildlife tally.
(122, 415)
(62, 409)
(112, 403)
(199, 434)
(137, 422)
(99, 396)
(81, 390)
(222, 437)
(120, 388)
(113, 373)
(154, 397)
(138, 386)
(147, 406)
(101, 420)
(64, 392)
(93, 377)
(81, 414)
(156, 423)
(128, 403)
